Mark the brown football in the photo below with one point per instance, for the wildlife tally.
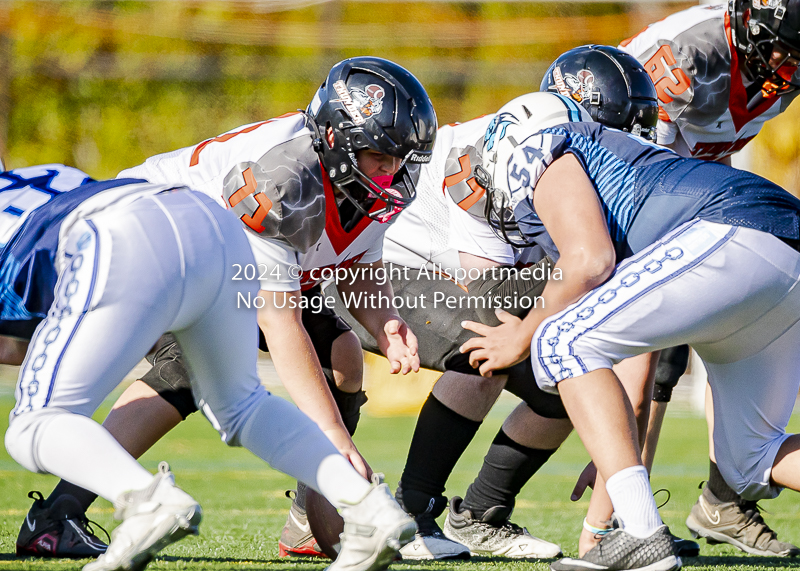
(326, 523)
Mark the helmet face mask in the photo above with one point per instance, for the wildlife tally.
(363, 192)
(610, 84)
(760, 29)
(369, 103)
(498, 212)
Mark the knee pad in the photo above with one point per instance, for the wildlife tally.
(671, 366)
(522, 384)
(169, 377)
(349, 404)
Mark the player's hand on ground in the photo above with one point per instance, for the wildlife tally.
(344, 444)
(586, 480)
(399, 344)
(498, 347)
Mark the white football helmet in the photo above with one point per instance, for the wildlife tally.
(514, 123)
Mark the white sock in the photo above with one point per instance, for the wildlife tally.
(339, 482)
(630, 493)
(79, 450)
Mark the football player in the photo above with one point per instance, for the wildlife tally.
(721, 72)
(447, 232)
(356, 152)
(157, 258)
(651, 265)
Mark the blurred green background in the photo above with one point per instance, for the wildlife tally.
(102, 85)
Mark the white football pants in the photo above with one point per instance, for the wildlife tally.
(162, 263)
(731, 293)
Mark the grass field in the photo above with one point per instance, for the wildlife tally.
(245, 507)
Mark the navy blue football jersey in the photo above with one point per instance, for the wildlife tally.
(646, 190)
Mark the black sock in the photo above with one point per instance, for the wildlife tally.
(84, 497)
(439, 440)
(507, 467)
(718, 486)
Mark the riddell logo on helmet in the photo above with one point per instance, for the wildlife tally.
(341, 90)
(419, 158)
(369, 99)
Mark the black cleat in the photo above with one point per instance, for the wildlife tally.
(62, 530)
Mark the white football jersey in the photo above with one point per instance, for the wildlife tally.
(435, 228)
(282, 147)
(701, 90)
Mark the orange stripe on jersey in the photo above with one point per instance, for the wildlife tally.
(228, 136)
(662, 114)
(624, 43)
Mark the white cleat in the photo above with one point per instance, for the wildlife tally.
(374, 531)
(494, 534)
(427, 547)
(152, 519)
(430, 543)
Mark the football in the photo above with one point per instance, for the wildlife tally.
(326, 523)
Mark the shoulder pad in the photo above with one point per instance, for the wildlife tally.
(280, 196)
(459, 181)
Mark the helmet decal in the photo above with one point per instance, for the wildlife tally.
(369, 99)
(561, 86)
(500, 122)
(580, 85)
(355, 114)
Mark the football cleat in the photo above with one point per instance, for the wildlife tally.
(296, 537)
(62, 530)
(620, 551)
(739, 524)
(374, 531)
(494, 534)
(152, 519)
(683, 547)
(430, 542)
